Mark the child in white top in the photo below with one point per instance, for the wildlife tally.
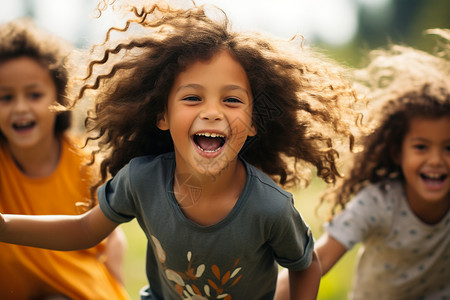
(399, 184)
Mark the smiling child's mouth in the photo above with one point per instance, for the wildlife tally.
(23, 125)
(209, 142)
(433, 179)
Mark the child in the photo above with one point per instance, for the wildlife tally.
(41, 173)
(193, 114)
(400, 183)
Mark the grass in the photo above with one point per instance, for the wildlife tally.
(334, 286)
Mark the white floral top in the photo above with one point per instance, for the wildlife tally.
(401, 257)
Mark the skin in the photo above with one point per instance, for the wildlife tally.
(212, 97)
(426, 155)
(27, 90)
(425, 163)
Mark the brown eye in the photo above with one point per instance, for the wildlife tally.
(191, 98)
(6, 98)
(35, 95)
(420, 147)
(233, 100)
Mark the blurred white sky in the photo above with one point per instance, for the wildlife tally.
(332, 21)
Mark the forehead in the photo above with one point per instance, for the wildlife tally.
(23, 71)
(221, 69)
(429, 128)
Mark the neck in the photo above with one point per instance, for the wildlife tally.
(208, 199)
(431, 213)
(211, 184)
(37, 161)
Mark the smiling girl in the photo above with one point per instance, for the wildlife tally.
(395, 200)
(42, 172)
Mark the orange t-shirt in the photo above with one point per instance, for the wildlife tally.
(27, 272)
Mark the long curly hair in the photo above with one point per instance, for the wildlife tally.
(21, 38)
(302, 105)
(403, 83)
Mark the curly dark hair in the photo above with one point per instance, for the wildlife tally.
(302, 105)
(20, 38)
(404, 83)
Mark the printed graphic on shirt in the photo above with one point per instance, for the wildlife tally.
(192, 284)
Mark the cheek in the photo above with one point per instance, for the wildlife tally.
(4, 113)
(241, 129)
(48, 118)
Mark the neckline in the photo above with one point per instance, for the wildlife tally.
(25, 177)
(405, 204)
(207, 228)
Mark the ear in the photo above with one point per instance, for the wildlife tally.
(162, 122)
(253, 131)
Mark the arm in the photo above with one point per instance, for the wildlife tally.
(115, 248)
(56, 232)
(329, 252)
(305, 284)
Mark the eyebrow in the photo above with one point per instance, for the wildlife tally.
(424, 139)
(229, 87)
(30, 86)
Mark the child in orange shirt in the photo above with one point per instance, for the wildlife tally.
(43, 172)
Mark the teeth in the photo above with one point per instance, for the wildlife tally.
(213, 135)
(23, 124)
(433, 176)
(209, 151)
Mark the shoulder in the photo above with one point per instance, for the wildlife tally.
(265, 197)
(142, 168)
(265, 185)
(148, 162)
(370, 212)
(374, 204)
(73, 147)
(382, 193)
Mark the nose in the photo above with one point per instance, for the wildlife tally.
(20, 104)
(436, 157)
(211, 112)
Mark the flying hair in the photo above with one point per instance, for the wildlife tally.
(302, 101)
(402, 83)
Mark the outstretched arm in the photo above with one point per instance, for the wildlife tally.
(56, 232)
(329, 251)
(305, 284)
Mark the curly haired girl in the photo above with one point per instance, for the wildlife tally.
(400, 183)
(198, 124)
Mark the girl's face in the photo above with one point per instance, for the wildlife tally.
(26, 92)
(425, 161)
(209, 115)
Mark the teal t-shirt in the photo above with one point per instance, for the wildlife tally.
(235, 258)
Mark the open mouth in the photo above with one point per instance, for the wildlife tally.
(433, 179)
(209, 142)
(24, 125)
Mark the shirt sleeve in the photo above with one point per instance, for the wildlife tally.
(365, 215)
(292, 240)
(115, 197)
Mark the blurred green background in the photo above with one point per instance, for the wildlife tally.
(375, 23)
